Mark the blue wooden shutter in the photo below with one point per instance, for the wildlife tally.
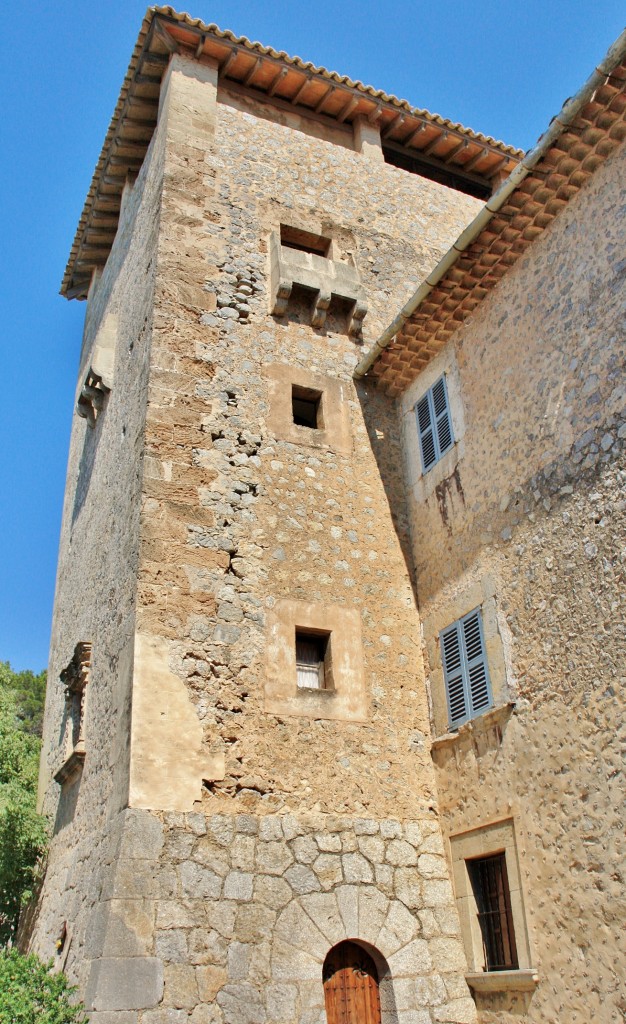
(443, 422)
(452, 656)
(466, 674)
(478, 686)
(426, 432)
(434, 424)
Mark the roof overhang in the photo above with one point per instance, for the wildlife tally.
(272, 76)
(590, 126)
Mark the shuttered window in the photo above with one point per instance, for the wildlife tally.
(466, 674)
(434, 424)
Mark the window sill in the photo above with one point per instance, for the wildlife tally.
(525, 980)
(495, 716)
(324, 690)
(71, 766)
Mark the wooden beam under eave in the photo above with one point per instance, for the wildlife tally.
(230, 60)
(282, 74)
(350, 106)
(396, 123)
(431, 147)
(410, 140)
(253, 70)
(296, 97)
(471, 164)
(164, 36)
(331, 88)
(142, 79)
(79, 289)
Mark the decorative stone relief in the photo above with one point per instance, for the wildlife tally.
(325, 277)
(75, 677)
(91, 398)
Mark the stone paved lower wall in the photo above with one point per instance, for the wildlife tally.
(228, 918)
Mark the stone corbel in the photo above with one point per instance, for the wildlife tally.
(91, 398)
(320, 308)
(356, 318)
(283, 291)
(76, 678)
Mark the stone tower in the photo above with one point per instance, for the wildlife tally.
(237, 751)
(235, 754)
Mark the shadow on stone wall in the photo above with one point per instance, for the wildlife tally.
(68, 800)
(383, 429)
(85, 467)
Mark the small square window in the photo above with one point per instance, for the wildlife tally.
(465, 669)
(434, 424)
(490, 885)
(313, 661)
(306, 407)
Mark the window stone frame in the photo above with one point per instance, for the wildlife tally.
(421, 484)
(346, 701)
(478, 594)
(483, 841)
(334, 435)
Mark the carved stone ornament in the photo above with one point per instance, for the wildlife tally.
(91, 398)
(75, 677)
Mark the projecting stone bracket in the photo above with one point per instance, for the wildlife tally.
(76, 678)
(322, 276)
(91, 397)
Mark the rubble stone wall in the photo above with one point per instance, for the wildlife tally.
(533, 516)
(97, 583)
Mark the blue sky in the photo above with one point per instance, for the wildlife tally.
(501, 68)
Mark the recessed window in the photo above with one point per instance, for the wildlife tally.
(490, 885)
(304, 241)
(416, 163)
(466, 674)
(434, 424)
(313, 661)
(306, 407)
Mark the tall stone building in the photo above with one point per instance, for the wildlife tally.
(334, 695)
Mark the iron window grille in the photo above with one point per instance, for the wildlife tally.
(490, 884)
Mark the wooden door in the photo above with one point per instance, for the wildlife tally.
(351, 986)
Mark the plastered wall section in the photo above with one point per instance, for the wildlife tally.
(96, 582)
(532, 515)
(238, 514)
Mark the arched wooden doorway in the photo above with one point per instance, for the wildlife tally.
(351, 986)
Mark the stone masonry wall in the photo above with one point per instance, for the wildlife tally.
(273, 821)
(534, 513)
(96, 585)
(230, 917)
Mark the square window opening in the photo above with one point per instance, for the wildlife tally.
(313, 661)
(305, 241)
(490, 885)
(306, 407)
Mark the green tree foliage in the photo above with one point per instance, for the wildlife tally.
(30, 694)
(31, 994)
(23, 832)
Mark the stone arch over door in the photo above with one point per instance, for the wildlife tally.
(385, 928)
(351, 985)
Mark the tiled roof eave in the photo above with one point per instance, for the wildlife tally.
(164, 30)
(589, 128)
